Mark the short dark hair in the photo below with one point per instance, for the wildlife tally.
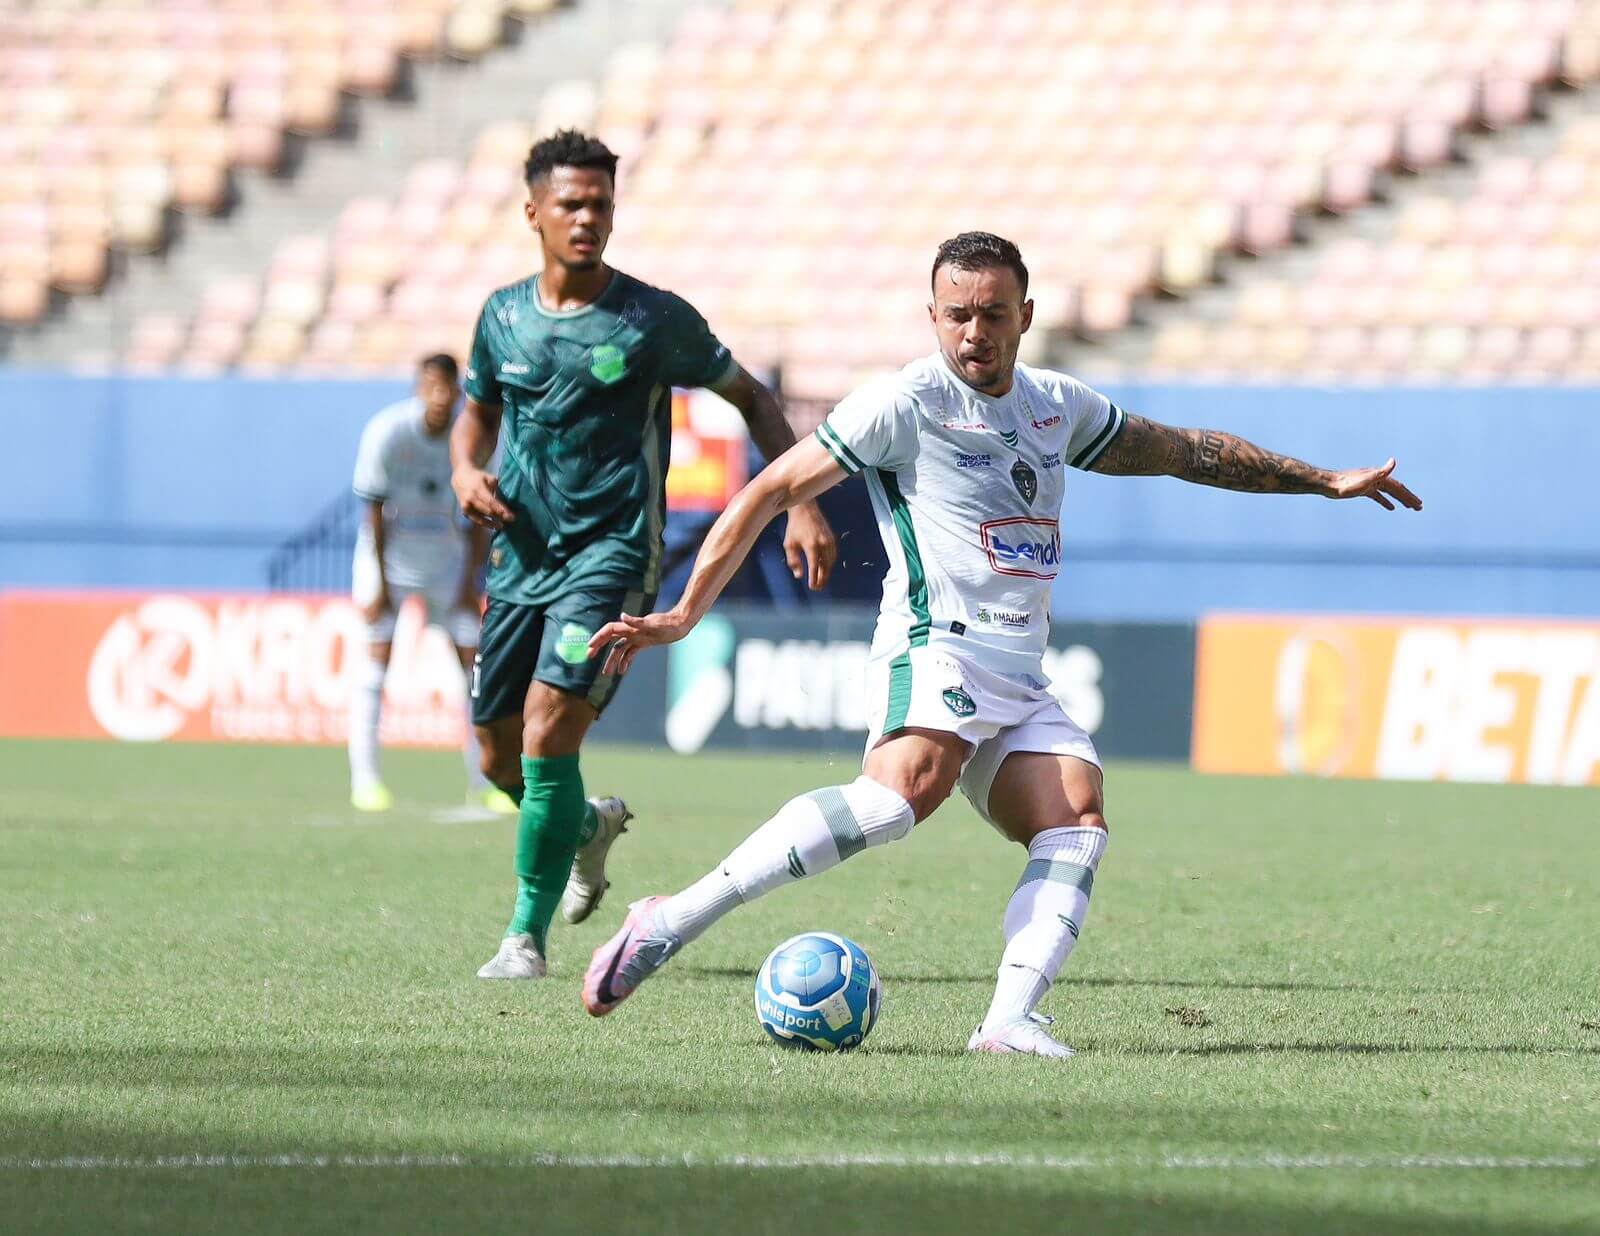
(568, 148)
(443, 362)
(981, 251)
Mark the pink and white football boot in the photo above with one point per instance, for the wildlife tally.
(636, 952)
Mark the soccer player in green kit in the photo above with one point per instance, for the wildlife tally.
(578, 362)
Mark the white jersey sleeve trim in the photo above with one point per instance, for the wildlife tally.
(834, 445)
(1086, 458)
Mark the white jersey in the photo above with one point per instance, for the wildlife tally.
(968, 490)
(399, 465)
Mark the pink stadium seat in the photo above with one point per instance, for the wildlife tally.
(776, 151)
(23, 300)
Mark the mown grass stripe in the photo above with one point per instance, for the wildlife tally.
(780, 1162)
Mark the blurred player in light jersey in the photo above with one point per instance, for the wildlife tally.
(965, 454)
(412, 542)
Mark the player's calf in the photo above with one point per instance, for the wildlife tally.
(1043, 920)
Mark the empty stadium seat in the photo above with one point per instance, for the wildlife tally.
(133, 108)
(1501, 284)
(780, 155)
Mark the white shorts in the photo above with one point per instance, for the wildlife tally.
(438, 601)
(935, 688)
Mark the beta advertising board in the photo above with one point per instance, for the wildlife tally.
(1421, 699)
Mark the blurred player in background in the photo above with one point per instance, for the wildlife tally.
(412, 542)
(578, 362)
(965, 455)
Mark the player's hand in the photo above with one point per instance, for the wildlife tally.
(620, 641)
(478, 492)
(809, 545)
(1375, 483)
(379, 605)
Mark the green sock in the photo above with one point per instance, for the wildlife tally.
(553, 822)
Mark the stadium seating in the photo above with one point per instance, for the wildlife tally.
(790, 166)
(114, 113)
(1504, 283)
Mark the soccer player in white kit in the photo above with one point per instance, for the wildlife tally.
(965, 453)
(412, 542)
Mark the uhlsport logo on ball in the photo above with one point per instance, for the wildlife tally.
(818, 992)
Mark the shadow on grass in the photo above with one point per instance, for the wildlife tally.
(987, 977)
(551, 1200)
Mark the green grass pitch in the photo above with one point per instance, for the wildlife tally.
(1300, 1007)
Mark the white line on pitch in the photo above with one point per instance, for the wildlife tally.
(1269, 1162)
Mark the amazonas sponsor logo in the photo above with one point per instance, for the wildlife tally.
(988, 615)
(1022, 546)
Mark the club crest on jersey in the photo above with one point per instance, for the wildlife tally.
(1022, 546)
(608, 363)
(959, 702)
(1026, 480)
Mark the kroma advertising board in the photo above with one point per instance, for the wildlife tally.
(182, 667)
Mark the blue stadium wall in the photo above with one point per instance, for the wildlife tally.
(190, 483)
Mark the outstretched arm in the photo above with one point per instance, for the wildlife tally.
(1210, 457)
(799, 475)
(808, 542)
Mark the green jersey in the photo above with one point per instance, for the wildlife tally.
(586, 432)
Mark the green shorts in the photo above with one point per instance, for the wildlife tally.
(521, 644)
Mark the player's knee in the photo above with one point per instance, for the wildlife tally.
(554, 726)
(1093, 819)
(924, 789)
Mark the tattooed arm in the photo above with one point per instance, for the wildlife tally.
(1210, 457)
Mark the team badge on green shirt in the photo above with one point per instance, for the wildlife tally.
(608, 364)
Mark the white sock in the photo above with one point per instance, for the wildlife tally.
(809, 834)
(1043, 919)
(366, 710)
(476, 781)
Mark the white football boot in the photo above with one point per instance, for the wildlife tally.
(518, 958)
(587, 883)
(1020, 1038)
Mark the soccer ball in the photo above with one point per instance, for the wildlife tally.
(819, 992)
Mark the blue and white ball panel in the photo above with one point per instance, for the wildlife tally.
(818, 991)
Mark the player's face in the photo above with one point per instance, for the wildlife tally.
(980, 317)
(438, 395)
(571, 212)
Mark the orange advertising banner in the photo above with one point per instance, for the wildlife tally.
(1403, 699)
(170, 666)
